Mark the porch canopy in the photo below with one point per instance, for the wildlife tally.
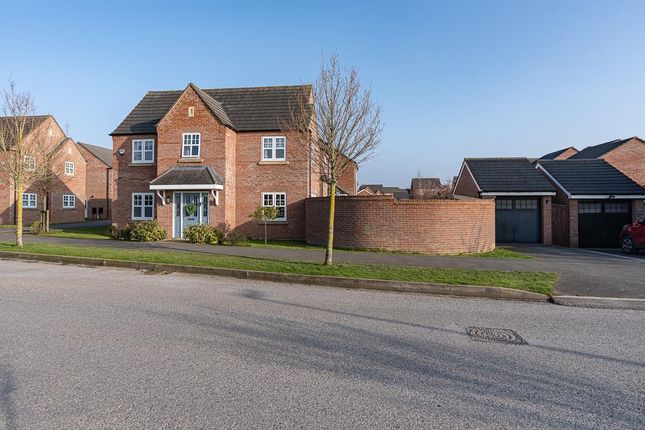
(188, 178)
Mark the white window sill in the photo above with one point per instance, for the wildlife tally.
(278, 222)
(136, 164)
(190, 160)
(272, 162)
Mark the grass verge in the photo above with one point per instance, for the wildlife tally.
(296, 244)
(539, 282)
(97, 232)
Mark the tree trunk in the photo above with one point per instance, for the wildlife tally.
(46, 212)
(330, 234)
(19, 214)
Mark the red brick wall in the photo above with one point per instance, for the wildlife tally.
(547, 235)
(381, 222)
(566, 154)
(128, 178)
(466, 185)
(97, 184)
(63, 184)
(255, 177)
(347, 180)
(629, 158)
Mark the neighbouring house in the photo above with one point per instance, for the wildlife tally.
(380, 190)
(66, 200)
(522, 196)
(560, 154)
(211, 156)
(626, 155)
(98, 183)
(593, 201)
(426, 188)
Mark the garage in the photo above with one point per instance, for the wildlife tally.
(600, 222)
(597, 199)
(517, 220)
(520, 192)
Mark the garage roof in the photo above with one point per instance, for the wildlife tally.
(506, 175)
(590, 177)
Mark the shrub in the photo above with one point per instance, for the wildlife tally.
(37, 228)
(236, 239)
(124, 233)
(203, 233)
(147, 231)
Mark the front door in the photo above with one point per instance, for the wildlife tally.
(190, 209)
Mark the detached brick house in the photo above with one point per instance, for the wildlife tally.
(212, 156)
(67, 199)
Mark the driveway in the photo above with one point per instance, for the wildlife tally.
(109, 348)
(582, 272)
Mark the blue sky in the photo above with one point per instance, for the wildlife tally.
(455, 78)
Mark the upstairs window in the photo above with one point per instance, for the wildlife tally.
(69, 168)
(143, 151)
(69, 201)
(191, 144)
(274, 148)
(30, 163)
(29, 200)
(277, 200)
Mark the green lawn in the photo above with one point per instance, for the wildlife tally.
(100, 232)
(296, 244)
(540, 282)
(7, 226)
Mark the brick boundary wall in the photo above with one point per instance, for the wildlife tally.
(381, 222)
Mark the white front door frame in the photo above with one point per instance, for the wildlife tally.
(180, 194)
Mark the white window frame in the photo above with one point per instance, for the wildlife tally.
(272, 140)
(69, 201)
(29, 200)
(70, 168)
(191, 144)
(143, 151)
(29, 161)
(273, 198)
(143, 206)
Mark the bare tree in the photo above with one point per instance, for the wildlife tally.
(23, 144)
(346, 124)
(45, 177)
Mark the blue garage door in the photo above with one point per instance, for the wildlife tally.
(517, 220)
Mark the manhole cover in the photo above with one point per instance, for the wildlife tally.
(486, 334)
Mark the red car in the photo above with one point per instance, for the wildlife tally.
(632, 238)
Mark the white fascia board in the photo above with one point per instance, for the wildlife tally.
(606, 196)
(187, 187)
(520, 193)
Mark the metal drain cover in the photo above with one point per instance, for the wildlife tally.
(486, 334)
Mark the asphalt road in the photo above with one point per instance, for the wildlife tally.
(110, 348)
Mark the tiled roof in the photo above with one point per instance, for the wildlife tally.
(553, 155)
(507, 175)
(397, 192)
(591, 177)
(243, 109)
(30, 123)
(100, 152)
(425, 183)
(188, 175)
(596, 151)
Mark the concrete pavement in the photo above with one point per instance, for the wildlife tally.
(110, 348)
